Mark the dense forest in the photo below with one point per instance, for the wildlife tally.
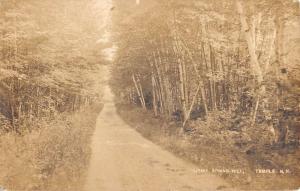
(45, 58)
(196, 59)
(225, 72)
(50, 74)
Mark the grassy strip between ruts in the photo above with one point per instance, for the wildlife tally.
(54, 157)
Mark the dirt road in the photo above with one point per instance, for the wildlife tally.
(122, 160)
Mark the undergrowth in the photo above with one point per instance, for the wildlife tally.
(214, 143)
(52, 157)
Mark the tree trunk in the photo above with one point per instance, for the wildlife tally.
(201, 84)
(160, 83)
(138, 92)
(182, 92)
(154, 101)
(192, 105)
(256, 69)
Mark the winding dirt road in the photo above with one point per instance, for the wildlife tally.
(122, 160)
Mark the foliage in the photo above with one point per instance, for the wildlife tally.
(49, 57)
(194, 59)
(51, 157)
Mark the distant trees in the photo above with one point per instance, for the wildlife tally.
(198, 57)
(47, 55)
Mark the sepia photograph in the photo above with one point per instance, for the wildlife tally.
(149, 95)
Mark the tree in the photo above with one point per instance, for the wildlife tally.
(198, 58)
(48, 58)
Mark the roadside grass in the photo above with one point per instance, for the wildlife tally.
(53, 157)
(211, 147)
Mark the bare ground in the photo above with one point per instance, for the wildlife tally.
(124, 160)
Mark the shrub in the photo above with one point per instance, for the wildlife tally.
(53, 157)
